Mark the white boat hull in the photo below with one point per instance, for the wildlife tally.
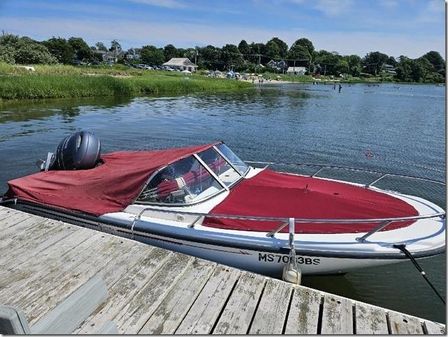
(266, 263)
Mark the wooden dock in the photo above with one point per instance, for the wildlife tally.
(155, 291)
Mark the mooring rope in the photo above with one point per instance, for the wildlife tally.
(402, 247)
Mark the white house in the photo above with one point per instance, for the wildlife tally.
(181, 63)
(296, 70)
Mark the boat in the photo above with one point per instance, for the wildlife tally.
(205, 201)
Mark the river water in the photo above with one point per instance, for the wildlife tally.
(390, 127)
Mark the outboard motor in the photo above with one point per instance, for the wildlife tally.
(79, 151)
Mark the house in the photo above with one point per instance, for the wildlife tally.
(133, 54)
(277, 65)
(181, 63)
(388, 69)
(296, 71)
(272, 64)
(110, 57)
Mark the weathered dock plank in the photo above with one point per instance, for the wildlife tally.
(155, 291)
(401, 324)
(433, 328)
(124, 289)
(272, 309)
(370, 320)
(210, 302)
(240, 308)
(14, 220)
(33, 240)
(337, 316)
(303, 315)
(141, 306)
(179, 299)
(108, 263)
(31, 269)
(65, 279)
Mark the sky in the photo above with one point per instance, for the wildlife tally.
(394, 27)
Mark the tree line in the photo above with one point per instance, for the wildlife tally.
(274, 55)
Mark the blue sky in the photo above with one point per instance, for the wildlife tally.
(395, 27)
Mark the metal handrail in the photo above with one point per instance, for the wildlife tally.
(284, 220)
(322, 166)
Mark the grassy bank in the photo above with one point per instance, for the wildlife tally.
(64, 85)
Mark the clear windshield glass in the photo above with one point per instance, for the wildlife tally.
(184, 181)
(233, 158)
(219, 166)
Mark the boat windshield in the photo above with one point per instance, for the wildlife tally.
(236, 162)
(190, 180)
(183, 182)
(223, 170)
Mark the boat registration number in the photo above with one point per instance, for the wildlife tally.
(279, 258)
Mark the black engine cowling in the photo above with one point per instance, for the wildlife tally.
(79, 151)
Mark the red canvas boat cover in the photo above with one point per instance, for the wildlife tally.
(110, 187)
(273, 194)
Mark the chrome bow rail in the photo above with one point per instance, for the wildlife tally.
(290, 222)
(321, 167)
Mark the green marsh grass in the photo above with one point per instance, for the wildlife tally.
(37, 86)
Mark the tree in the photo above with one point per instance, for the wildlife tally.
(436, 61)
(421, 69)
(100, 46)
(232, 57)
(303, 51)
(152, 55)
(392, 61)
(354, 65)
(244, 48)
(29, 51)
(61, 49)
(7, 54)
(23, 50)
(190, 53)
(374, 61)
(304, 42)
(257, 50)
(115, 47)
(210, 58)
(272, 50)
(327, 62)
(342, 66)
(81, 49)
(169, 51)
(282, 46)
(404, 69)
(300, 55)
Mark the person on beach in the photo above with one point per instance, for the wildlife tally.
(340, 87)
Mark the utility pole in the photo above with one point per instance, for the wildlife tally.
(196, 57)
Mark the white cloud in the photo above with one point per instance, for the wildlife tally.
(132, 33)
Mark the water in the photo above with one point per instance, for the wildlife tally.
(394, 128)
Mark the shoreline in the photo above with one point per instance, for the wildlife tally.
(61, 81)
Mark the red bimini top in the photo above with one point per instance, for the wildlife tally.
(110, 187)
(273, 194)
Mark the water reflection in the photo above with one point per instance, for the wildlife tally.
(26, 110)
